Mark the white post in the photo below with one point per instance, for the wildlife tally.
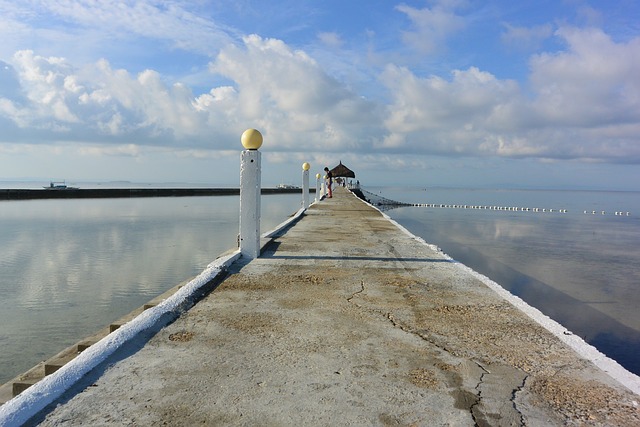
(250, 185)
(317, 187)
(305, 184)
(324, 185)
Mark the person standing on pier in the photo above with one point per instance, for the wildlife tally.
(328, 177)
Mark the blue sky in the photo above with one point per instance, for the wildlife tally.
(496, 93)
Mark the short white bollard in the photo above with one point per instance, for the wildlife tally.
(305, 184)
(250, 194)
(318, 176)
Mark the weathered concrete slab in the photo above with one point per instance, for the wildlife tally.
(344, 320)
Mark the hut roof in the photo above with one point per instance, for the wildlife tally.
(342, 170)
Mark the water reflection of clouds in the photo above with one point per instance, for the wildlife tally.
(72, 266)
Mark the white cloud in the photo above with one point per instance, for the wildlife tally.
(289, 95)
(330, 39)
(589, 15)
(128, 150)
(279, 90)
(595, 82)
(581, 103)
(181, 24)
(97, 102)
(47, 84)
(588, 97)
(584, 104)
(433, 115)
(431, 26)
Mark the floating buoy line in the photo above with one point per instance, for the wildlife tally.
(386, 204)
(508, 208)
(489, 207)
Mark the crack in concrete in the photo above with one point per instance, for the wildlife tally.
(479, 416)
(407, 329)
(474, 407)
(475, 398)
(353, 295)
(396, 324)
(514, 395)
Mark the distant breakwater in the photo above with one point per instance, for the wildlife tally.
(101, 193)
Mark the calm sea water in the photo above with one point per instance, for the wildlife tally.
(582, 270)
(70, 267)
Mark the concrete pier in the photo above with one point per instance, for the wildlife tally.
(345, 319)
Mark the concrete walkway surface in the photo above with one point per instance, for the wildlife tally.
(347, 320)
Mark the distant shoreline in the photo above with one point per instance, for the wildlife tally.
(102, 193)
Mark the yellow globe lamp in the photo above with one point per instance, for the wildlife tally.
(306, 166)
(317, 176)
(251, 139)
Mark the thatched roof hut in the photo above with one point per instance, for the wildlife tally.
(342, 171)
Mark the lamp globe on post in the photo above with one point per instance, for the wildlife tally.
(305, 184)
(251, 139)
(318, 176)
(250, 183)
